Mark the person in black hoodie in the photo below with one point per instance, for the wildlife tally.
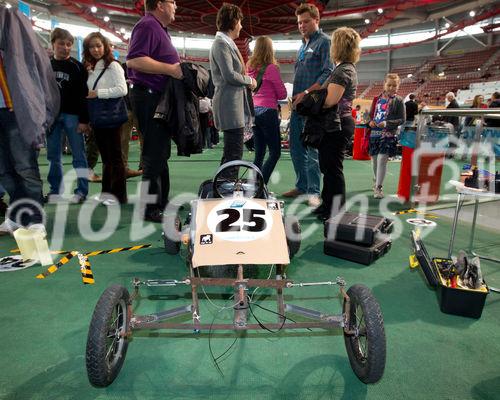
(411, 107)
(71, 78)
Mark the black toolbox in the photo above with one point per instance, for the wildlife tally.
(356, 253)
(457, 301)
(357, 228)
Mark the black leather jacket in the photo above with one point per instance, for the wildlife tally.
(319, 120)
(178, 108)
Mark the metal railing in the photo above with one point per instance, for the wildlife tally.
(480, 113)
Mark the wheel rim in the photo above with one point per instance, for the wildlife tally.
(115, 338)
(359, 338)
(247, 180)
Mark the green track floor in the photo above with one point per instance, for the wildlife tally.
(430, 355)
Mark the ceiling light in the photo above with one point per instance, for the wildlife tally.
(122, 30)
(441, 74)
(367, 21)
(8, 5)
(380, 11)
(106, 19)
(472, 13)
(409, 75)
(447, 25)
(93, 9)
(479, 69)
(458, 76)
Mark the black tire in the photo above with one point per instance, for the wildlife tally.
(367, 347)
(293, 234)
(172, 227)
(106, 343)
(206, 190)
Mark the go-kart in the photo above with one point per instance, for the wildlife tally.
(234, 227)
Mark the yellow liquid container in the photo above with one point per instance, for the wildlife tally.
(33, 245)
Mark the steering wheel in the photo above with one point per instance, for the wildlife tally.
(241, 177)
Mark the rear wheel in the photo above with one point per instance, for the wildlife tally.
(366, 346)
(107, 340)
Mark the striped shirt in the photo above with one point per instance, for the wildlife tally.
(5, 99)
(313, 63)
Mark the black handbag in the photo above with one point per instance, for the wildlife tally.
(106, 113)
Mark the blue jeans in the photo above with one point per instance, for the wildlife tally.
(266, 133)
(304, 159)
(68, 123)
(19, 173)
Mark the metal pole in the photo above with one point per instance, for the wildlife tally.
(454, 227)
(477, 141)
(473, 229)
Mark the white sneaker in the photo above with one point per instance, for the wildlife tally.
(109, 202)
(98, 198)
(314, 201)
(378, 193)
(8, 227)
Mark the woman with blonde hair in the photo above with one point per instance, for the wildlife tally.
(341, 91)
(262, 66)
(477, 102)
(386, 115)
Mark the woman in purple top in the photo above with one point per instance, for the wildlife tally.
(266, 130)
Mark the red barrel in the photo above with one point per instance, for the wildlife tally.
(430, 171)
(429, 177)
(404, 186)
(357, 148)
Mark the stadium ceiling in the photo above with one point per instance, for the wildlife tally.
(270, 17)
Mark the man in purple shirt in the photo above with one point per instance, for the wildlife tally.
(151, 60)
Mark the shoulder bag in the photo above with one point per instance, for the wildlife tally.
(106, 113)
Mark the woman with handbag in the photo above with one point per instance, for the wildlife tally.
(338, 123)
(262, 66)
(232, 104)
(107, 113)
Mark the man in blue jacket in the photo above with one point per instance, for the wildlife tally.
(312, 68)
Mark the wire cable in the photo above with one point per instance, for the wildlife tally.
(212, 355)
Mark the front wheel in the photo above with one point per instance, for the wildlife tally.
(293, 234)
(365, 344)
(172, 227)
(107, 340)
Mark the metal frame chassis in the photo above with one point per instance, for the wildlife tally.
(240, 285)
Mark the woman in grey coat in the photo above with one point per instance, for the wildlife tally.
(232, 109)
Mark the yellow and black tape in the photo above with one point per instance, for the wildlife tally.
(86, 270)
(51, 252)
(414, 211)
(117, 250)
(410, 211)
(55, 267)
